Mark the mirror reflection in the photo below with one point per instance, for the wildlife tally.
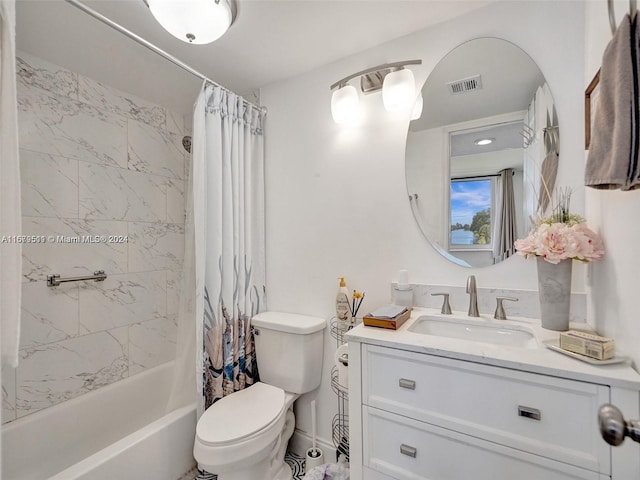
(482, 158)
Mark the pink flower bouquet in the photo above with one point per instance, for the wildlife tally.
(562, 236)
(561, 241)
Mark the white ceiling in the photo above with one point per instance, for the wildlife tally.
(269, 41)
(510, 79)
(505, 136)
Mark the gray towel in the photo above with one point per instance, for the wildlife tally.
(633, 181)
(612, 160)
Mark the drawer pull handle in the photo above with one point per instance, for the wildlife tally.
(532, 413)
(404, 383)
(408, 451)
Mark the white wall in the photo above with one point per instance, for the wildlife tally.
(613, 282)
(336, 197)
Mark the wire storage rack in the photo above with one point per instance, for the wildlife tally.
(339, 328)
(340, 424)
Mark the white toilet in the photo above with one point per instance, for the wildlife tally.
(244, 436)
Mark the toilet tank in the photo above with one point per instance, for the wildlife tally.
(289, 350)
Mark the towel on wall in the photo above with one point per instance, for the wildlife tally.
(613, 154)
(633, 180)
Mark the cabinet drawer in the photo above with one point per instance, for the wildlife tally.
(369, 474)
(405, 449)
(552, 417)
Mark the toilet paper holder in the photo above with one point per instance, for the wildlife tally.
(344, 359)
(342, 363)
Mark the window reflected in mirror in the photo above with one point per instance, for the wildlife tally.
(471, 219)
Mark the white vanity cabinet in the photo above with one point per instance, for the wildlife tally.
(421, 416)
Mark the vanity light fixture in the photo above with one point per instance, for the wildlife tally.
(398, 90)
(344, 104)
(417, 108)
(484, 141)
(396, 82)
(194, 21)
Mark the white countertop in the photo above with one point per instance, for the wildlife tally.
(537, 360)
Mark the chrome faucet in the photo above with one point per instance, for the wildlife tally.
(473, 296)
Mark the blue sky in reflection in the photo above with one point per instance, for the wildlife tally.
(468, 198)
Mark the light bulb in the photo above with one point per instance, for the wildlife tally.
(344, 104)
(398, 90)
(193, 21)
(417, 108)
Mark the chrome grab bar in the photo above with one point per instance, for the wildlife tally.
(54, 280)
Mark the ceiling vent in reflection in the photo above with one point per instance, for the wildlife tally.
(465, 85)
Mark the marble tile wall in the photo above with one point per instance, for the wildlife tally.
(94, 161)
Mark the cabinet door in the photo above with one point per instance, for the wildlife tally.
(404, 449)
(548, 416)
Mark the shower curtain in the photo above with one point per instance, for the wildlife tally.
(10, 212)
(227, 230)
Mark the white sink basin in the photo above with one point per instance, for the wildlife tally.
(475, 331)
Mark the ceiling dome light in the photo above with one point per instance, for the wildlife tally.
(417, 108)
(399, 90)
(344, 104)
(484, 141)
(193, 21)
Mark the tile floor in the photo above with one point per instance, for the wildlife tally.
(294, 461)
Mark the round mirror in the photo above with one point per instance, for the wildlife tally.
(482, 156)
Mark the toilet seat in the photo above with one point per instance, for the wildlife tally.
(262, 405)
(223, 441)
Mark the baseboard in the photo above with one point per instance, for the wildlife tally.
(301, 442)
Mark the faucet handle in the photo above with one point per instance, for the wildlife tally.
(500, 313)
(446, 306)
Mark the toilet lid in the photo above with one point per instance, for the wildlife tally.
(241, 414)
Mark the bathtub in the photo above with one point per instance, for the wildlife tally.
(117, 432)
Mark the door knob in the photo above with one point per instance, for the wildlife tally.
(613, 426)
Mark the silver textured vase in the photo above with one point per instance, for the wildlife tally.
(554, 291)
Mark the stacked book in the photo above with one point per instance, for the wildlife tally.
(387, 316)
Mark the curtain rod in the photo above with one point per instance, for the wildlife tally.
(490, 175)
(151, 46)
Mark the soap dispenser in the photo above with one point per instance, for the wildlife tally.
(342, 302)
